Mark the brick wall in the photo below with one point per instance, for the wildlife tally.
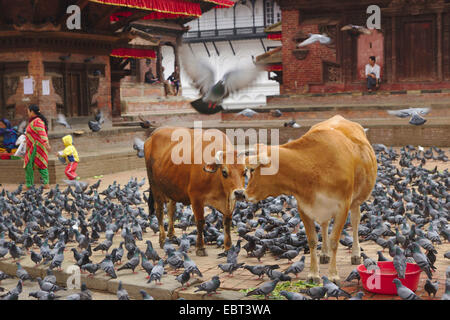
(297, 74)
(47, 103)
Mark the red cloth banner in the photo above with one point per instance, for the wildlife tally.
(274, 36)
(152, 16)
(134, 53)
(176, 7)
(274, 67)
(221, 3)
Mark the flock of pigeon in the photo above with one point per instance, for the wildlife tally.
(407, 214)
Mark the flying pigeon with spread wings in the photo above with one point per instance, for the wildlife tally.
(204, 78)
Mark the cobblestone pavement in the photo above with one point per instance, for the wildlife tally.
(242, 278)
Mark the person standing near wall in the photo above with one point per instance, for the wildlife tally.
(38, 147)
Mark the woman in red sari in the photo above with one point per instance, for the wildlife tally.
(37, 147)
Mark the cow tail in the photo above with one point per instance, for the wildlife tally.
(151, 202)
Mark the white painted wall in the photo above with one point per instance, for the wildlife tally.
(225, 17)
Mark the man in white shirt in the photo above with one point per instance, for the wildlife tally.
(372, 74)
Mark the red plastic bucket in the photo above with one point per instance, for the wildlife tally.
(381, 281)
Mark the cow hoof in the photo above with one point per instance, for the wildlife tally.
(324, 259)
(313, 278)
(356, 260)
(201, 252)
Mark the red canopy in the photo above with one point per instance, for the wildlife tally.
(134, 53)
(152, 16)
(174, 7)
(274, 67)
(274, 36)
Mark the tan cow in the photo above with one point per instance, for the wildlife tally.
(329, 170)
(218, 183)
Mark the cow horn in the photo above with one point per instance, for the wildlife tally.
(219, 157)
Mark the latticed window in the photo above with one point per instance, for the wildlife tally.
(269, 12)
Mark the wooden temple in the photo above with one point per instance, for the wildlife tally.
(78, 71)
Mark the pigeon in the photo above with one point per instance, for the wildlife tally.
(213, 93)
(157, 273)
(290, 254)
(358, 296)
(354, 274)
(50, 277)
(356, 29)
(21, 273)
(174, 260)
(321, 38)
(292, 124)
(91, 268)
(61, 120)
(446, 295)
(183, 278)
(421, 260)
(333, 290)
(145, 124)
(48, 286)
(414, 113)
(264, 289)
(293, 295)
(296, 267)
(84, 294)
(209, 286)
(96, 125)
(431, 287)
(369, 263)
(145, 295)
(43, 295)
(316, 293)
(146, 265)
(151, 253)
(381, 257)
(404, 292)
(4, 276)
(58, 259)
(138, 145)
(190, 266)
(400, 263)
(247, 112)
(122, 294)
(133, 263)
(14, 293)
(276, 113)
(108, 266)
(36, 257)
(260, 270)
(230, 267)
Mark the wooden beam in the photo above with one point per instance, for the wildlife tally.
(125, 21)
(105, 19)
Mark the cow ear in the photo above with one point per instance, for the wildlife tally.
(254, 162)
(211, 168)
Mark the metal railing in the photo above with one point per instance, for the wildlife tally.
(225, 33)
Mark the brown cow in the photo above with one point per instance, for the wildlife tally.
(329, 170)
(218, 183)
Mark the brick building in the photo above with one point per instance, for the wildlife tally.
(77, 71)
(412, 47)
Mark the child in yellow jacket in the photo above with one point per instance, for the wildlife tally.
(70, 154)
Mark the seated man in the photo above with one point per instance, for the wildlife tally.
(175, 80)
(149, 77)
(372, 74)
(9, 135)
